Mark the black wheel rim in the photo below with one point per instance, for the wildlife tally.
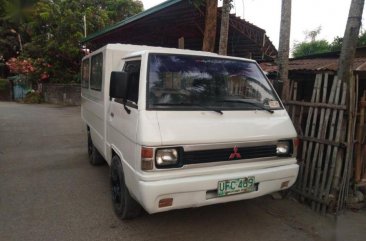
(116, 187)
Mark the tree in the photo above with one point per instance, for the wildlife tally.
(284, 46)
(53, 31)
(350, 39)
(14, 30)
(308, 48)
(348, 50)
(362, 39)
(209, 35)
(314, 46)
(336, 45)
(224, 30)
(121, 9)
(313, 33)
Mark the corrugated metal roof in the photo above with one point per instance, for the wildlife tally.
(164, 24)
(132, 18)
(314, 65)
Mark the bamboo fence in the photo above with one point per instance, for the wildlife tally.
(360, 150)
(321, 125)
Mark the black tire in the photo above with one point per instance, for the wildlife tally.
(124, 205)
(94, 156)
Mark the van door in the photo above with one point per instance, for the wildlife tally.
(122, 123)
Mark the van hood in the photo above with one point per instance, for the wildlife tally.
(208, 127)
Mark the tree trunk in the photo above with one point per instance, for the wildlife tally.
(283, 48)
(209, 35)
(345, 74)
(350, 40)
(224, 31)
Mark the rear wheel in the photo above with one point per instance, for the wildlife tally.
(124, 205)
(94, 156)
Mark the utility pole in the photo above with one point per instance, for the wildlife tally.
(284, 47)
(84, 20)
(224, 30)
(209, 35)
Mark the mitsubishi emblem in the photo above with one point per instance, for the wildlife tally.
(235, 154)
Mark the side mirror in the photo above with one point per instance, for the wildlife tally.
(118, 85)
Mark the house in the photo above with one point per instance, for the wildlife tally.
(180, 23)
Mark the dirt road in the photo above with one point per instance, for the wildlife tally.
(48, 191)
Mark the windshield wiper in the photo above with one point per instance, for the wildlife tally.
(261, 107)
(192, 104)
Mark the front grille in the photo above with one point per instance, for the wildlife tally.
(194, 157)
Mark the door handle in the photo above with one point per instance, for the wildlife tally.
(112, 114)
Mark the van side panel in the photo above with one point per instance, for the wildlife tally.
(121, 133)
(93, 111)
(94, 116)
(109, 66)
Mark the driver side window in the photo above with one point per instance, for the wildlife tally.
(133, 70)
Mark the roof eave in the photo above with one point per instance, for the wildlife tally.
(131, 19)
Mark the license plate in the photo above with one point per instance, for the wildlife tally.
(234, 186)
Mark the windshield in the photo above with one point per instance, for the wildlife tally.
(183, 82)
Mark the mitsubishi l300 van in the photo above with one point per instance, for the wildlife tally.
(183, 128)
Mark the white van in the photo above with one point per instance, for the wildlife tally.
(183, 128)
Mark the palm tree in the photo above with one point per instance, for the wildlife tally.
(345, 74)
(284, 45)
(209, 36)
(224, 31)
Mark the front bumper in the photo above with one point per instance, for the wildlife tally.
(201, 190)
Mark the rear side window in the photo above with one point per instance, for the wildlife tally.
(96, 72)
(85, 73)
(133, 70)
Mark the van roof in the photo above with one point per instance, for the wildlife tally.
(134, 50)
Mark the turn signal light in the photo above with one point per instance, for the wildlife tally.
(147, 155)
(285, 184)
(296, 144)
(165, 202)
(147, 152)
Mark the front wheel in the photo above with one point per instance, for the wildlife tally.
(124, 205)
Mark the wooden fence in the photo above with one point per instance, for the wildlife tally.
(321, 125)
(360, 150)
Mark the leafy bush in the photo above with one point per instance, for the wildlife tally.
(33, 97)
(309, 48)
(4, 83)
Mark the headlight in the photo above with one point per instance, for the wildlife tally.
(167, 157)
(283, 148)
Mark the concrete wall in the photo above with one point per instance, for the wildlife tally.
(61, 94)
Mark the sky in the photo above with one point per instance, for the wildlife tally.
(307, 15)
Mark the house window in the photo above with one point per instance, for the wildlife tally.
(96, 72)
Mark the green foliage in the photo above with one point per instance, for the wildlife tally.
(51, 31)
(336, 45)
(362, 39)
(4, 83)
(33, 97)
(321, 46)
(308, 48)
(118, 10)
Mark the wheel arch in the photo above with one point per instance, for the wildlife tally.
(128, 172)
